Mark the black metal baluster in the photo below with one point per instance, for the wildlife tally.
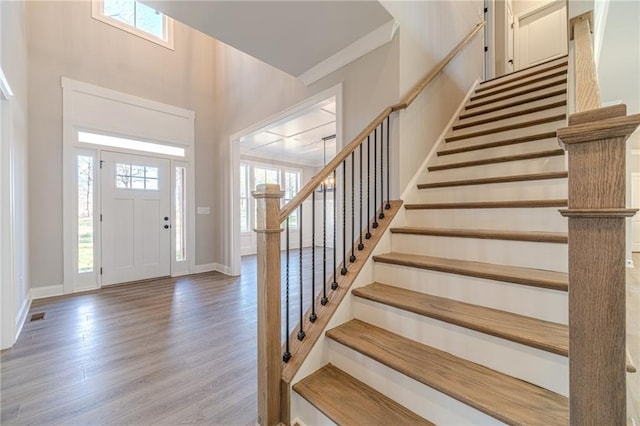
(352, 258)
(313, 317)
(381, 215)
(301, 332)
(361, 245)
(287, 355)
(334, 284)
(388, 206)
(368, 235)
(375, 178)
(324, 299)
(343, 271)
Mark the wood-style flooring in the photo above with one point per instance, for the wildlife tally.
(168, 351)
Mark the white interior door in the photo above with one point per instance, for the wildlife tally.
(635, 203)
(136, 234)
(541, 34)
(509, 48)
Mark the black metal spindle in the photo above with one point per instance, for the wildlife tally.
(334, 284)
(287, 354)
(381, 215)
(324, 299)
(368, 235)
(361, 245)
(375, 178)
(313, 317)
(301, 332)
(352, 258)
(343, 271)
(388, 205)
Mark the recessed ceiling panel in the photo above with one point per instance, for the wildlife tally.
(310, 120)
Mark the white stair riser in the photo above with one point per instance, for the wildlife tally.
(533, 165)
(515, 76)
(532, 365)
(530, 81)
(549, 256)
(508, 134)
(517, 108)
(421, 399)
(307, 413)
(511, 121)
(511, 219)
(511, 92)
(499, 151)
(536, 302)
(527, 190)
(525, 96)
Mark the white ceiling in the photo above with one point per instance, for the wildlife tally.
(297, 139)
(293, 36)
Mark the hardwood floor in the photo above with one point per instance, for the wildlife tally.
(169, 351)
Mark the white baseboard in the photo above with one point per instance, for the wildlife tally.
(439, 141)
(21, 317)
(48, 291)
(224, 269)
(298, 422)
(210, 267)
(629, 263)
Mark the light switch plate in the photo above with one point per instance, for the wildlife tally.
(204, 210)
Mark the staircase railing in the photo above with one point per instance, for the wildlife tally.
(596, 143)
(359, 176)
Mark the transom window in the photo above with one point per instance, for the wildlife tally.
(136, 18)
(131, 176)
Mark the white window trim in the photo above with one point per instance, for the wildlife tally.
(97, 12)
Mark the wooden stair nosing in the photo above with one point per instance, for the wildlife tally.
(511, 115)
(510, 274)
(346, 400)
(485, 234)
(496, 160)
(489, 91)
(512, 104)
(497, 179)
(496, 144)
(508, 127)
(520, 74)
(501, 396)
(511, 204)
(472, 105)
(544, 335)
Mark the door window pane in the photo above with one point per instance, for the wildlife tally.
(131, 176)
(85, 213)
(181, 207)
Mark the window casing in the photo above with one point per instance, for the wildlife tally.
(136, 18)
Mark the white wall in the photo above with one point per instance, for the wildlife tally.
(13, 173)
(428, 32)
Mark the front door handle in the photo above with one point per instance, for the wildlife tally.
(166, 227)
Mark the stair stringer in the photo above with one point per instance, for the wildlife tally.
(301, 410)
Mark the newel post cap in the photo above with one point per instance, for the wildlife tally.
(268, 190)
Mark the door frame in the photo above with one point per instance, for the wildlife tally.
(118, 114)
(234, 162)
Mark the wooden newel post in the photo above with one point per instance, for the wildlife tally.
(268, 231)
(595, 141)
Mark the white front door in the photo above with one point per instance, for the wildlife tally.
(635, 203)
(541, 34)
(136, 226)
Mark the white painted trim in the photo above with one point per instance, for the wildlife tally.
(440, 141)
(540, 6)
(21, 317)
(376, 38)
(234, 161)
(212, 267)
(298, 421)
(224, 269)
(48, 291)
(630, 263)
(5, 89)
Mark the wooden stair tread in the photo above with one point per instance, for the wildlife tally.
(502, 159)
(483, 92)
(495, 144)
(489, 204)
(510, 115)
(511, 274)
(545, 335)
(528, 91)
(520, 125)
(525, 72)
(488, 234)
(506, 398)
(497, 179)
(512, 104)
(348, 401)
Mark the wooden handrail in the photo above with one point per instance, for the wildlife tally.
(586, 78)
(347, 150)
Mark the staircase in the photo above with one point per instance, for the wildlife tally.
(466, 322)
